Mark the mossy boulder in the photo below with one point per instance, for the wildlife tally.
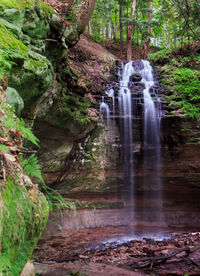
(33, 79)
(14, 99)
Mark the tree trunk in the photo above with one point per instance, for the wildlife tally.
(116, 35)
(113, 30)
(129, 33)
(107, 30)
(175, 36)
(120, 31)
(147, 40)
(137, 27)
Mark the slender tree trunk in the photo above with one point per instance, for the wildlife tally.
(113, 30)
(120, 31)
(137, 28)
(129, 33)
(107, 30)
(147, 40)
(175, 36)
(116, 35)
(102, 29)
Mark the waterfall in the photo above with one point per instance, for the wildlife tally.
(105, 112)
(152, 113)
(111, 94)
(125, 113)
(151, 143)
(138, 120)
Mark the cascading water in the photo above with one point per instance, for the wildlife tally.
(151, 143)
(139, 107)
(125, 113)
(105, 112)
(152, 112)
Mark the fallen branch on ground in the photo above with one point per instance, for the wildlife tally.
(157, 260)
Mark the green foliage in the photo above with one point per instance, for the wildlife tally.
(23, 4)
(4, 148)
(11, 49)
(12, 122)
(182, 85)
(31, 167)
(56, 201)
(22, 221)
(9, 41)
(160, 57)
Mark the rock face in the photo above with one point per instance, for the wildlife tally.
(53, 90)
(179, 135)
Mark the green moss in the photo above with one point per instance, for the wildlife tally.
(184, 84)
(45, 9)
(25, 4)
(33, 79)
(71, 112)
(22, 221)
(19, 4)
(8, 40)
(160, 57)
(181, 78)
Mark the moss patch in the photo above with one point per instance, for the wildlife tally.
(22, 221)
(33, 79)
(180, 76)
(8, 40)
(25, 4)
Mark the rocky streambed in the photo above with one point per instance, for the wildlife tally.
(88, 251)
(104, 240)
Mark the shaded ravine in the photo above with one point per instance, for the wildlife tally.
(143, 204)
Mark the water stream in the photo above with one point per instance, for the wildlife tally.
(137, 108)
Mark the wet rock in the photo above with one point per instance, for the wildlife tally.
(136, 77)
(14, 99)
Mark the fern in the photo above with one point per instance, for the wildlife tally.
(56, 201)
(31, 167)
(12, 122)
(27, 132)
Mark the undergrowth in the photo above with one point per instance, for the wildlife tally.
(22, 223)
(16, 125)
(180, 76)
(56, 201)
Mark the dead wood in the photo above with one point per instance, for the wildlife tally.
(157, 260)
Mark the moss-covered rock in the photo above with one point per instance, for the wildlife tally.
(14, 99)
(33, 79)
(22, 220)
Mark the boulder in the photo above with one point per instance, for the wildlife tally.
(14, 99)
(136, 77)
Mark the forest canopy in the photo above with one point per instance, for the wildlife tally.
(170, 23)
